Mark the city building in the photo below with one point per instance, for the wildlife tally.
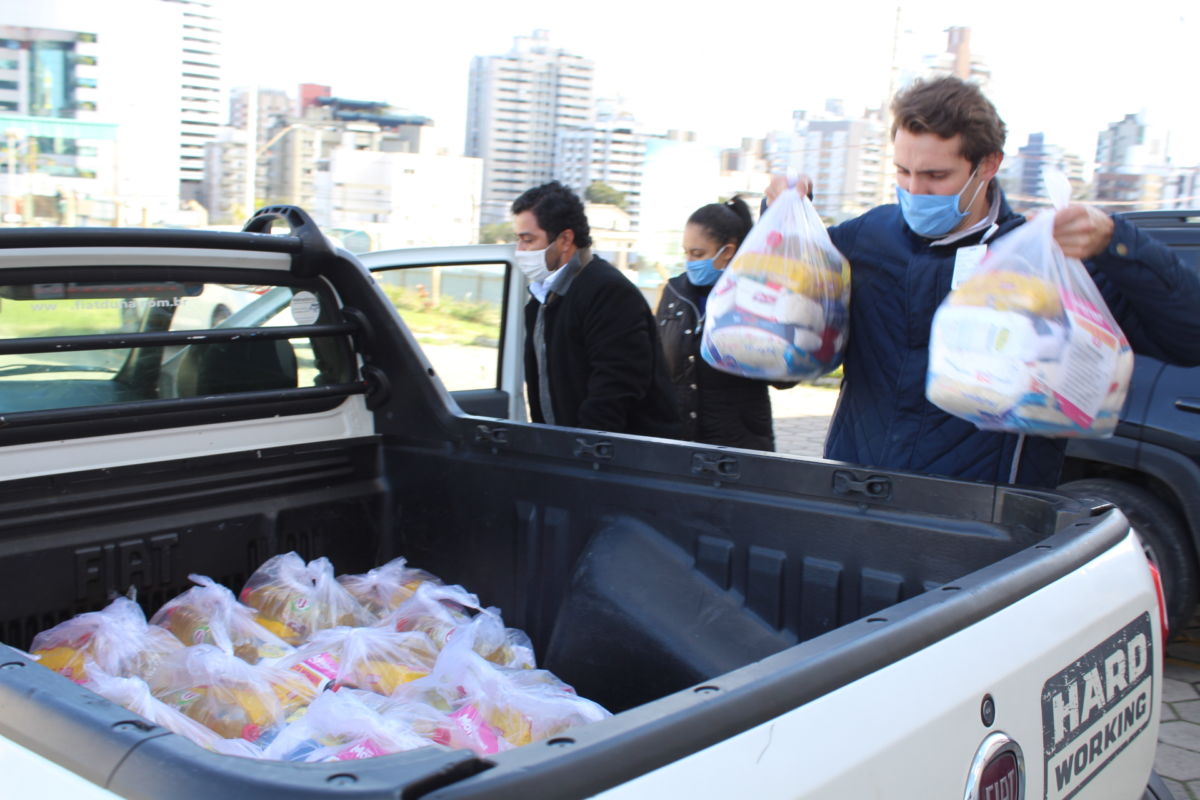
(1022, 175)
(1132, 166)
(611, 151)
(156, 83)
(843, 156)
(517, 105)
(399, 199)
(958, 59)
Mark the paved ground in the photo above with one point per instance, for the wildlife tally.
(801, 419)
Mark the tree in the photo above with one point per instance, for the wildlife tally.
(600, 192)
(497, 233)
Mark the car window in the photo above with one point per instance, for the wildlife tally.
(51, 373)
(456, 313)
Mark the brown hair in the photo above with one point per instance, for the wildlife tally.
(948, 107)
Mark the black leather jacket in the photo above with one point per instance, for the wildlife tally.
(716, 407)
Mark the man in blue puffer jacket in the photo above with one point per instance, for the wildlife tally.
(948, 144)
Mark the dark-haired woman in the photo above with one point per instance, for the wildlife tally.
(716, 407)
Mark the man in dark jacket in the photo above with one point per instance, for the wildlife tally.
(592, 356)
(949, 144)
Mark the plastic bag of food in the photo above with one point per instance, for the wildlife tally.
(225, 694)
(487, 636)
(294, 599)
(1027, 343)
(439, 611)
(780, 310)
(383, 589)
(208, 613)
(489, 708)
(339, 726)
(434, 610)
(371, 659)
(117, 639)
(135, 695)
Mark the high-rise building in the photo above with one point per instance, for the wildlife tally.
(958, 59)
(1132, 167)
(201, 106)
(1022, 175)
(612, 152)
(157, 82)
(844, 159)
(516, 107)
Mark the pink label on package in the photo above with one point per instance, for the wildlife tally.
(364, 749)
(319, 670)
(478, 733)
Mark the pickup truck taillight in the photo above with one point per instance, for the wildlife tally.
(1162, 603)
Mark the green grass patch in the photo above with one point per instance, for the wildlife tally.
(450, 321)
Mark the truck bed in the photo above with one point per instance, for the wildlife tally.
(656, 597)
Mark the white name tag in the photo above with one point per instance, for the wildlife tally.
(966, 263)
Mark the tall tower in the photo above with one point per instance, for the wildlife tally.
(201, 106)
(516, 107)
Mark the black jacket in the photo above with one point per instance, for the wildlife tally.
(604, 363)
(715, 407)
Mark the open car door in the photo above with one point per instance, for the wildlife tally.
(464, 307)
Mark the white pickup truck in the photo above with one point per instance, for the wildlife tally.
(760, 625)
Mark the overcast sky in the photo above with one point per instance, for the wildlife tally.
(733, 69)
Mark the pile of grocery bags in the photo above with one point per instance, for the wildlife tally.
(305, 666)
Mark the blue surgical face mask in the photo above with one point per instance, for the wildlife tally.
(703, 272)
(935, 215)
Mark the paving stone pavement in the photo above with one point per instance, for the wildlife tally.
(801, 421)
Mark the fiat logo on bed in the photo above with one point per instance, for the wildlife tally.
(1093, 708)
(997, 771)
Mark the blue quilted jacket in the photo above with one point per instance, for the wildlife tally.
(899, 279)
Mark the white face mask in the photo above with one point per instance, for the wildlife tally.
(533, 264)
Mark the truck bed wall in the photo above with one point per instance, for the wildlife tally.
(630, 586)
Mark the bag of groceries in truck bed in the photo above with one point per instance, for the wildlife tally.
(304, 665)
(780, 310)
(1027, 343)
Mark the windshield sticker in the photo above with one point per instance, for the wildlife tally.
(1095, 707)
(305, 308)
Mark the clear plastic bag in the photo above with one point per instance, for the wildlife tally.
(489, 708)
(117, 639)
(441, 611)
(135, 695)
(1027, 343)
(371, 659)
(208, 613)
(294, 599)
(382, 589)
(225, 694)
(434, 610)
(780, 310)
(339, 726)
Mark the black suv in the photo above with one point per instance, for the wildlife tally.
(1150, 468)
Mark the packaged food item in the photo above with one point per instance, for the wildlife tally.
(371, 659)
(441, 611)
(208, 613)
(294, 599)
(339, 726)
(434, 610)
(383, 589)
(135, 695)
(780, 310)
(117, 639)
(1027, 344)
(225, 694)
(489, 708)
